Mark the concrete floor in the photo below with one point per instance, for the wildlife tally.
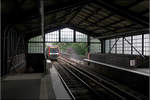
(26, 86)
(60, 92)
(21, 89)
(34, 86)
(140, 71)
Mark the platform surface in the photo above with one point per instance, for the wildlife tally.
(141, 71)
(34, 86)
(21, 89)
(59, 90)
(21, 86)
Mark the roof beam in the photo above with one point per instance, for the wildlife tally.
(18, 6)
(94, 30)
(48, 29)
(117, 35)
(96, 23)
(74, 15)
(104, 17)
(146, 11)
(123, 12)
(89, 16)
(62, 17)
(53, 22)
(118, 28)
(128, 26)
(64, 6)
(111, 24)
(81, 30)
(22, 2)
(135, 3)
(99, 20)
(114, 31)
(36, 31)
(88, 10)
(116, 22)
(32, 14)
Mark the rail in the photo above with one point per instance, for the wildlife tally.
(114, 89)
(78, 83)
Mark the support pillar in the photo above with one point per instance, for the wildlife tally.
(59, 31)
(42, 31)
(131, 45)
(4, 50)
(74, 36)
(142, 44)
(123, 45)
(102, 46)
(88, 44)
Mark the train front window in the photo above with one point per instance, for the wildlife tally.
(53, 50)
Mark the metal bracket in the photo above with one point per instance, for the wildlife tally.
(134, 48)
(113, 45)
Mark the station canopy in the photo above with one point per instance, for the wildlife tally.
(97, 18)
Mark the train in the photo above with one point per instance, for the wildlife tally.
(52, 52)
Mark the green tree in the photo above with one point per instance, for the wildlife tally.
(80, 48)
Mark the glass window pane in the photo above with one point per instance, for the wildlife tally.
(107, 46)
(94, 40)
(112, 43)
(35, 47)
(137, 43)
(80, 37)
(36, 39)
(52, 36)
(147, 44)
(119, 46)
(127, 46)
(66, 35)
(95, 47)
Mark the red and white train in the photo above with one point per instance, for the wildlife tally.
(52, 52)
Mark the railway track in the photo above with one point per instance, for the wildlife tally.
(77, 88)
(108, 89)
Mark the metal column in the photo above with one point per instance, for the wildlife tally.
(88, 44)
(102, 46)
(131, 45)
(123, 45)
(74, 36)
(59, 35)
(4, 50)
(116, 45)
(42, 30)
(142, 44)
(109, 46)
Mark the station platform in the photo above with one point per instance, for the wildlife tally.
(140, 71)
(136, 79)
(34, 86)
